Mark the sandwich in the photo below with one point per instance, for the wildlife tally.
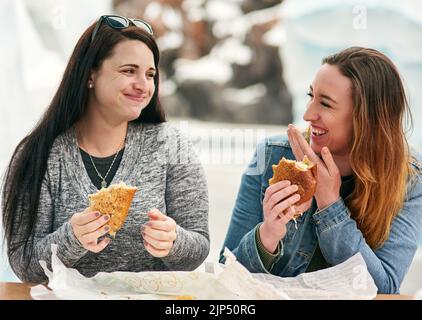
(301, 173)
(114, 201)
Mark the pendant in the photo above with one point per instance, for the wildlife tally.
(103, 184)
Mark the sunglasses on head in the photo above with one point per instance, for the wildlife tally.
(120, 22)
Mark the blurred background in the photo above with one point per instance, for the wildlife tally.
(232, 72)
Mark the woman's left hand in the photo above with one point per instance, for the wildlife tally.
(159, 233)
(328, 174)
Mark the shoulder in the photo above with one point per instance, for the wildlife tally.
(275, 147)
(416, 160)
(269, 151)
(415, 181)
(164, 130)
(161, 136)
(277, 141)
(62, 146)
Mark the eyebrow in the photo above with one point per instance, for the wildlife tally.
(134, 66)
(324, 96)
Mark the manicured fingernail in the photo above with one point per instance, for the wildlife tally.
(106, 218)
(325, 150)
(107, 228)
(97, 214)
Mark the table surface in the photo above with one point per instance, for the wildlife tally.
(20, 291)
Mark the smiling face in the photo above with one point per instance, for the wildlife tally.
(124, 84)
(329, 111)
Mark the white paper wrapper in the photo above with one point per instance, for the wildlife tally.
(349, 280)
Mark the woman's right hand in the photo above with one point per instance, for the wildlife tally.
(88, 226)
(278, 211)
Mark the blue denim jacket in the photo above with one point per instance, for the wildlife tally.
(334, 229)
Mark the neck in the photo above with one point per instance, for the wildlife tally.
(100, 138)
(343, 164)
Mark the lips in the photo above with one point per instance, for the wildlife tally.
(135, 97)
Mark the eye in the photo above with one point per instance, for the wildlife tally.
(325, 104)
(151, 75)
(129, 71)
(310, 95)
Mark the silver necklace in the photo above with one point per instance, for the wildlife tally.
(103, 182)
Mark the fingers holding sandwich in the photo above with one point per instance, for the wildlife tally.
(291, 212)
(277, 209)
(272, 190)
(273, 199)
(88, 226)
(301, 208)
(159, 233)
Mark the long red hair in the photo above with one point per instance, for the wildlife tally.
(380, 157)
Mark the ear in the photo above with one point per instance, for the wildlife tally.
(91, 80)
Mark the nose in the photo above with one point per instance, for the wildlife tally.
(311, 113)
(141, 84)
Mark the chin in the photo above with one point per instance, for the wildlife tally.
(316, 148)
(134, 112)
(134, 116)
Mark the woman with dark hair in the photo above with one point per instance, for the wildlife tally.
(369, 188)
(104, 125)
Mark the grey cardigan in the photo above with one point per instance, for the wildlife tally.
(157, 160)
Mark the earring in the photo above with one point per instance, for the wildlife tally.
(90, 85)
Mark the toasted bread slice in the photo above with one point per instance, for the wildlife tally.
(301, 173)
(114, 201)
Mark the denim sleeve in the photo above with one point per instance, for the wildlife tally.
(340, 238)
(246, 216)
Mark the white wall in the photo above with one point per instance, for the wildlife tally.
(32, 63)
